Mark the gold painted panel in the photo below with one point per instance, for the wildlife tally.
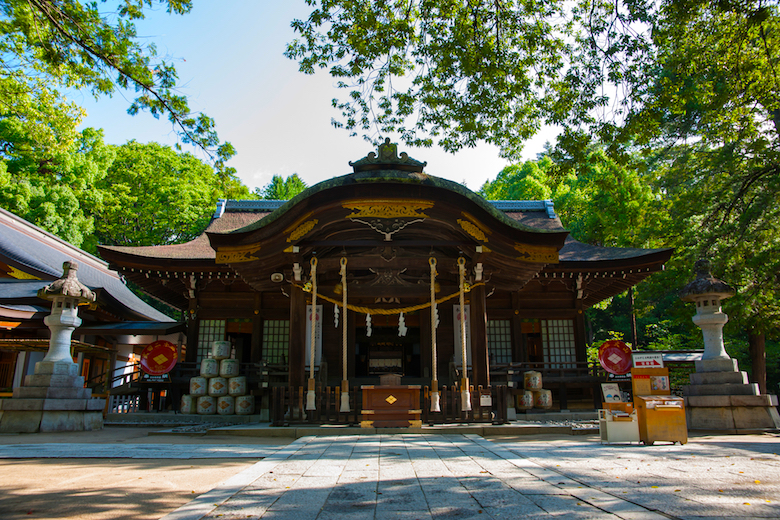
(537, 254)
(301, 230)
(387, 208)
(234, 255)
(473, 230)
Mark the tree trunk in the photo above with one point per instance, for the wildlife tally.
(758, 359)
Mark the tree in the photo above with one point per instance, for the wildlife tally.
(281, 189)
(54, 187)
(154, 195)
(457, 72)
(68, 43)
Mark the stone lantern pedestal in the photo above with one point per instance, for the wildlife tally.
(54, 398)
(720, 396)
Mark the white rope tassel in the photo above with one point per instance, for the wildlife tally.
(310, 399)
(344, 382)
(465, 395)
(435, 398)
(368, 325)
(402, 326)
(336, 316)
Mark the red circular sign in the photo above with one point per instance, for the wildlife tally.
(615, 357)
(159, 358)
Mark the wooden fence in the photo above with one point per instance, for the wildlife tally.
(288, 406)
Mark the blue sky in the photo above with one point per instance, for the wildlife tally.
(229, 56)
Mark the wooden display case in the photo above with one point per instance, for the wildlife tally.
(661, 417)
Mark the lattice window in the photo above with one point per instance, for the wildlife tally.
(499, 339)
(210, 331)
(558, 342)
(276, 340)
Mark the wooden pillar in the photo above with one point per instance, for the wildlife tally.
(519, 352)
(192, 331)
(480, 365)
(257, 340)
(297, 354)
(580, 335)
(257, 331)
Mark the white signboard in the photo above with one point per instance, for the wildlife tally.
(456, 324)
(317, 336)
(648, 360)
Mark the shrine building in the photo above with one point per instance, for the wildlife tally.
(387, 243)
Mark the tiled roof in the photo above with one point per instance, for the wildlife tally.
(235, 215)
(199, 248)
(574, 251)
(34, 251)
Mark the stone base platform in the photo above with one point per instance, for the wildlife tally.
(720, 397)
(732, 412)
(53, 399)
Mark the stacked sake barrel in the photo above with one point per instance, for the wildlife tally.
(533, 394)
(219, 389)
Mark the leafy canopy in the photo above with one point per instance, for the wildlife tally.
(46, 45)
(281, 189)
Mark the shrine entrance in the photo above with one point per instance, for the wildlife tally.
(385, 352)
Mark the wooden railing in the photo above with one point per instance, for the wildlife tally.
(127, 403)
(288, 406)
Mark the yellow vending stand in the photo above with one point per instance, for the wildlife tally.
(661, 417)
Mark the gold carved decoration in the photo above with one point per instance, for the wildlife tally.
(13, 272)
(538, 254)
(301, 230)
(391, 399)
(236, 255)
(473, 230)
(387, 208)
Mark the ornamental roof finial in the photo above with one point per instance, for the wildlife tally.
(387, 158)
(68, 286)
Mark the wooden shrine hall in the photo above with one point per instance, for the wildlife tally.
(403, 273)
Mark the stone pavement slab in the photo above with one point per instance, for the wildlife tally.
(134, 451)
(465, 476)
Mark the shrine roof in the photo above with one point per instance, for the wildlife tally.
(230, 215)
(395, 177)
(574, 251)
(34, 258)
(233, 215)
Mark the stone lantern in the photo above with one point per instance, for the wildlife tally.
(720, 397)
(65, 294)
(706, 292)
(54, 398)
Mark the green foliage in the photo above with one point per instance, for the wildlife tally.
(155, 195)
(56, 191)
(449, 72)
(526, 181)
(281, 189)
(46, 45)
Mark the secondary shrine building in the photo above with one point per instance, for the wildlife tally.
(375, 234)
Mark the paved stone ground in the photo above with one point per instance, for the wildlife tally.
(467, 477)
(134, 451)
